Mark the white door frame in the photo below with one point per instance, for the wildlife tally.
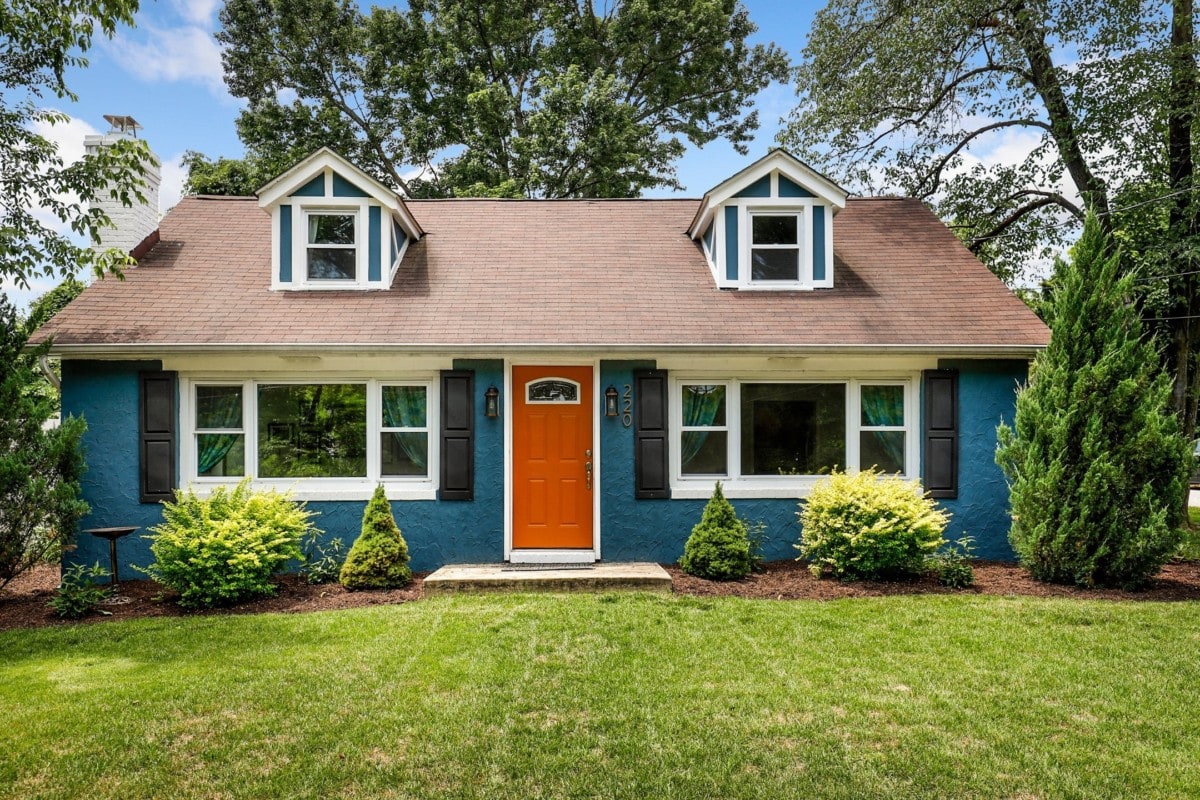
(581, 555)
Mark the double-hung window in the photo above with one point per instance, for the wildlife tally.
(334, 434)
(775, 239)
(331, 252)
(763, 434)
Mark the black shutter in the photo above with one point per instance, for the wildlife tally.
(650, 442)
(941, 433)
(458, 436)
(156, 436)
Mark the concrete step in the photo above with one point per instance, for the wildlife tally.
(548, 578)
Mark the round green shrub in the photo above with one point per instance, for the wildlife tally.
(225, 548)
(379, 557)
(719, 547)
(868, 525)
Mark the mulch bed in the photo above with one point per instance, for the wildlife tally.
(23, 603)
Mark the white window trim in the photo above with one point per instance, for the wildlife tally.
(736, 485)
(397, 487)
(803, 258)
(748, 206)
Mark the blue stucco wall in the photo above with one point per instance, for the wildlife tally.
(986, 394)
(105, 394)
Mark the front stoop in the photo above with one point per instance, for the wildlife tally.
(596, 577)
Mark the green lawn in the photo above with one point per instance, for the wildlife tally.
(617, 695)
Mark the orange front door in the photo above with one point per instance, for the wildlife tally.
(553, 465)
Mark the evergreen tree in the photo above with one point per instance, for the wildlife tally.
(719, 547)
(39, 468)
(1095, 461)
(379, 557)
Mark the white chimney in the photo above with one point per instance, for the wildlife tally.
(135, 223)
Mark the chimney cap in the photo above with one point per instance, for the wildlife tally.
(122, 124)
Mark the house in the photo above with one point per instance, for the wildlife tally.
(537, 380)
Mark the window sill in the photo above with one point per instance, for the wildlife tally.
(312, 490)
(693, 490)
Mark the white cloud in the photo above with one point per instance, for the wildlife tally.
(166, 55)
(171, 188)
(68, 140)
(21, 298)
(197, 12)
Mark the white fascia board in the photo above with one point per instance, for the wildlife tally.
(282, 187)
(788, 165)
(497, 350)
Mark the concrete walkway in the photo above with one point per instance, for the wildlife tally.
(547, 578)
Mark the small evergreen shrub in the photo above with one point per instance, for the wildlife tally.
(378, 559)
(78, 593)
(868, 525)
(719, 547)
(952, 564)
(225, 548)
(1096, 466)
(322, 562)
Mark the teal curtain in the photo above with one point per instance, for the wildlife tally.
(221, 411)
(884, 405)
(404, 407)
(701, 407)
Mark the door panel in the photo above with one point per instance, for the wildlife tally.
(552, 450)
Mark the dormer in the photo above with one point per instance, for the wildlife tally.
(770, 226)
(334, 227)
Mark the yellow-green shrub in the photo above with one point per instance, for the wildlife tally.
(225, 548)
(868, 525)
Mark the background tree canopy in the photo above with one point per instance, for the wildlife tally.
(521, 98)
(39, 41)
(896, 96)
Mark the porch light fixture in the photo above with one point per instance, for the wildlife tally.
(491, 402)
(610, 401)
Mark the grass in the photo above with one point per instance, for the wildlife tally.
(616, 696)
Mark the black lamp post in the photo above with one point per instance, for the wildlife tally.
(610, 401)
(491, 402)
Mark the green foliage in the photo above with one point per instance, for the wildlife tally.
(952, 564)
(41, 311)
(40, 503)
(40, 40)
(719, 547)
(1096, 465)
(78, 593)
(869, 525)
(378, 558)
(322, 562)
(225, 548)
(543, 99)
(915, 101)
(225, 176)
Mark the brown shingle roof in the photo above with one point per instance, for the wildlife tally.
(607, 273)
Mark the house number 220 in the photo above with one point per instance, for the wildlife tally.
(627, 411)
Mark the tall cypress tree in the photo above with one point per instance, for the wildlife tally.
(1096, 463)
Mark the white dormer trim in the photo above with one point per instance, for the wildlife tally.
(326, 161)
(775, 163)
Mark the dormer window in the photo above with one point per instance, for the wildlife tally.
(334, 227)
(775, 246)
(332, 251)
(770, 227)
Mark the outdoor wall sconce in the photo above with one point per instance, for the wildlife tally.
(491, 402)
(610, 401)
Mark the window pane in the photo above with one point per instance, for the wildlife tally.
(220, 455)
(882, 449)
(331, 264)
(552, 391)
(793, 429)
(404, 453)
(331, 229)
(703, 406)
(774, 230)
(775, 265)
(219, 407)
(404, 406)
(882, 405)
(312, 431)
(703, 452)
